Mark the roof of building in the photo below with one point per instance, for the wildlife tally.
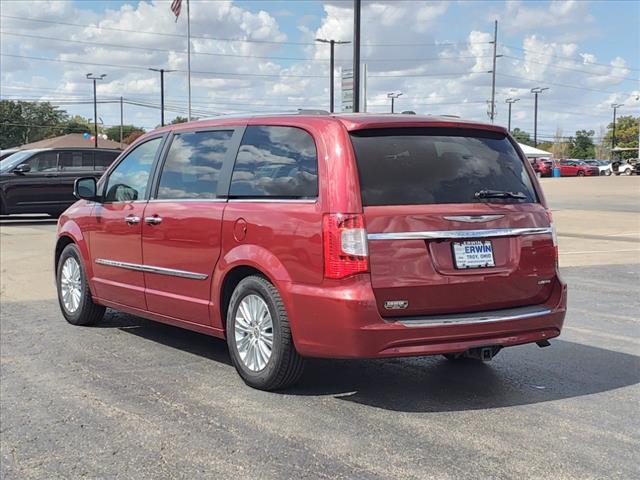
(71, 140)
(533, 152)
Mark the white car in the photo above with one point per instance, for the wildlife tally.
(603, 165)
(622, 168)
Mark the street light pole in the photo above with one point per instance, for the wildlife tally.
(393, 96)
(615, 107)
(162, 72)
(332, 44)
(493, 73)
(536, 91)
(91, 76)
(510, 101)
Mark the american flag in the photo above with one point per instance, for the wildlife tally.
(176, 5)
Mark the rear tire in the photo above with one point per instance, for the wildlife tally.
(74, 295)
(628, 172)
(256, 318)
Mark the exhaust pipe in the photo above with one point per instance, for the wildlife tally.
(484, 354)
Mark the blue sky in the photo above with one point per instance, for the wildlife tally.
(437, 53)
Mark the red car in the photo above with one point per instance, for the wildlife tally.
(573, 168)
(542, 167)
(317, 235)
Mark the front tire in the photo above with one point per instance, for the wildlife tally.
(580, 173)
(628, 172)
(259, 336)
(74, 295)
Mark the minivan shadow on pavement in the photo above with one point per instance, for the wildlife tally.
(517, 376)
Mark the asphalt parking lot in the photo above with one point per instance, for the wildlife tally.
(136, 399)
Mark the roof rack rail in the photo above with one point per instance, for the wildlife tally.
(300, 111)
(312, 111)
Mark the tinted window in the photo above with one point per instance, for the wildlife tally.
(275, 162)
(43, 162)
(416, 166)
(76, 161)
(128, 181)
(193, 165)
(103, 160)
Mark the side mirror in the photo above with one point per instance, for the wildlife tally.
(86, 188)
(22, 169)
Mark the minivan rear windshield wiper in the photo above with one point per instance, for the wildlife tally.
(499, 194)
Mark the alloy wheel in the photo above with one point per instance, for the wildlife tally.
(71, 284)
(254, 332)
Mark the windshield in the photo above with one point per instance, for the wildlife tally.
(12, 161)
(414, 166)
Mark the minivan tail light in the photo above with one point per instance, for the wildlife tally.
(345, 245)
(554, 238)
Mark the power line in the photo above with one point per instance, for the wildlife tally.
(152, 49)
(552, 65)
(135, 67)
(274, 42)
(532, 80)
(545, 54)
(174, 35)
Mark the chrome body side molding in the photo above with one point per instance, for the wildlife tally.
(475, 318)
(460, 234)
(151, 269)
(473, 218)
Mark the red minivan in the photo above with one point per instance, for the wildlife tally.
(317, 235)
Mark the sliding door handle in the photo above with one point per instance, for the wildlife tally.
(155, 220)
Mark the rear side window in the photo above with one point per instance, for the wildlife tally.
(275, 162)
(415, 166)
(193, 165)
(78, 161)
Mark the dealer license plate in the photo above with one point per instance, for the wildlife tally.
(473, 254)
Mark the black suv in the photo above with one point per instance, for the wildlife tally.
(41, 181)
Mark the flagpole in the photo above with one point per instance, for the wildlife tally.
(189, 57)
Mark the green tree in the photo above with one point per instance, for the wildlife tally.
(113, 133)
(178, 119)
(77, 124)
(522, 137)
(546, 146)
(626, 135)
(581, 146)
(25, 122)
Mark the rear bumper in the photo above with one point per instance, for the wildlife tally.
(344, 322)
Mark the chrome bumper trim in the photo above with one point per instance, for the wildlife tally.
(460, 234)
(475, 318)
(151, 269)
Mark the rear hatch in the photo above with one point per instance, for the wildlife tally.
(453, 220)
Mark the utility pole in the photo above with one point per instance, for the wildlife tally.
(493, 72)
(510, 101)
(162, 72)
(121, 119)
(536, 91)
(332, 43)
(356, 54)
(615, 107)
(91, 76)
(393, 96)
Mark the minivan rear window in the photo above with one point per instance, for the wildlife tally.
(414, 166)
